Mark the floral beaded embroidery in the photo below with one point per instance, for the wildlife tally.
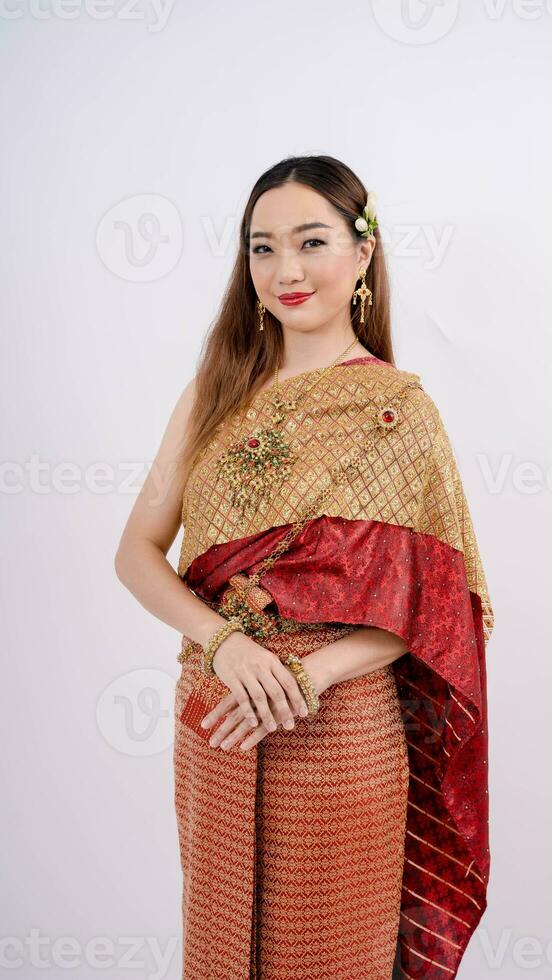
(255, 467)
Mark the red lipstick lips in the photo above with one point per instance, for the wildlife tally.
(293, 299)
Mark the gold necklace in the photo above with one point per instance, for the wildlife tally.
(323, 370)
(258, 464)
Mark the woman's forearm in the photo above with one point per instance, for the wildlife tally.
(147, 573)
(367, 649)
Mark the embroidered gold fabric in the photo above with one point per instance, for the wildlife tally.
(408, 477)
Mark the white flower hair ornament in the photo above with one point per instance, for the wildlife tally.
(366, 222)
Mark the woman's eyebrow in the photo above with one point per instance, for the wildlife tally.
(294, 231)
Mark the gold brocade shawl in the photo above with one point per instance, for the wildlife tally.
(409, 476)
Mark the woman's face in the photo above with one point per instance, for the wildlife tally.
(322, 260)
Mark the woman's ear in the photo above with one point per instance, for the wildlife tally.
(367, 246)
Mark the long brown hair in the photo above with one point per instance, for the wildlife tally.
(236, 357)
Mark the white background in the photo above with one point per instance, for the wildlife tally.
(443, 110)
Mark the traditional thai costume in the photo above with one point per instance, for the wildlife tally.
(356, 844)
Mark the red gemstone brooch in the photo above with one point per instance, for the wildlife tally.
(387, 417)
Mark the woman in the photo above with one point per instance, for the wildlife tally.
(331, 725)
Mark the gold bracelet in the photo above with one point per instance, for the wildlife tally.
(305, 683)
(230, 626)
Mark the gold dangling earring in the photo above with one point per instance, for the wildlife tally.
(261, 311)
(363, 292)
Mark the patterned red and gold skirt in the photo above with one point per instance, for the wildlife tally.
(292, 852)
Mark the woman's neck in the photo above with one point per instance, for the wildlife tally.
(299, 363)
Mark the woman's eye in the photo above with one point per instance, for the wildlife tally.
(256, 249)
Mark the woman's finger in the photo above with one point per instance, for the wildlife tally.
(257, 694)
(292, 689)
(228, 726)
(241, 728)
(252, 738)
(238, 697)
(228, 702)
(225, 727)
(278, 700)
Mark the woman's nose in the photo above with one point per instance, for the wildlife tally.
(290, 271)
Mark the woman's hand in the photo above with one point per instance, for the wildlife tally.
(235, 727)
(258, 681)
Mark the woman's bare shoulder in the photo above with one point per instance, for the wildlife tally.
(177, 424)
(186, 400)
